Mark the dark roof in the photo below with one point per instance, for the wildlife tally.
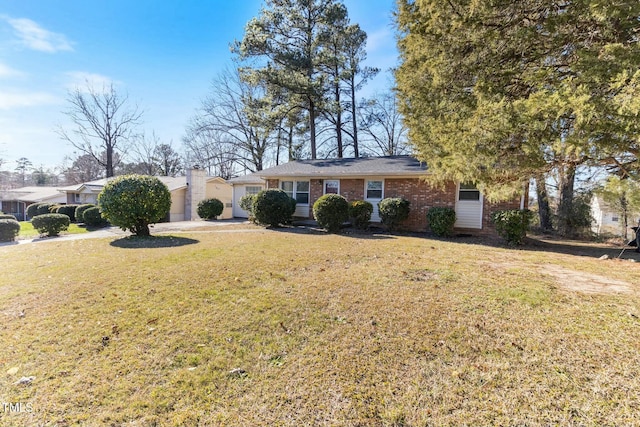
(363, 166)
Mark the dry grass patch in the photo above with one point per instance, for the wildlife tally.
(289, 329)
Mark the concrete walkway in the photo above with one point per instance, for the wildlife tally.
(161, 228)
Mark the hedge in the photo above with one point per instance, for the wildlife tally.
(331, 211)
(68, 210)
(9, 229)
(210, 208)
(512, 225)
(273, 207)
(441, 220)
(80, 210)
(51, 224)
(93, 217)
(393, 210)
(360, 213)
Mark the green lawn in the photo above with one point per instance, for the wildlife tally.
(28, 232)
(282, 328)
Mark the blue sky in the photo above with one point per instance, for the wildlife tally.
(163, 54)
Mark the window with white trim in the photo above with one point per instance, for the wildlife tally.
(331, 186)
(468, 192)
(251, 190)
(297, 190)
(374, 190)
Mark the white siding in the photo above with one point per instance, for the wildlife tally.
(468, 212)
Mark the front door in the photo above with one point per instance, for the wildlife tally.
(373, 193)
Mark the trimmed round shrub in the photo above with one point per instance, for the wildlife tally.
(9, 229)
(93, 217)
(441, 220)
(360, 213)
(273, 207)
(36, 209)
(393, 210)
(81, 209)
(7, 216)
(210, 208)
(512, 224)
(46, 208)
(132, 202)
(51, 224)
(331, 211)
(68, 210)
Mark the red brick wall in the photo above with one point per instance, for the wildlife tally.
(352, 189)
(273, 183)
(422, 196)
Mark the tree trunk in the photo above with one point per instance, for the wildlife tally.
(338, 117)
(354, 121)
(565, 204)
(312, 128)
(544, 211)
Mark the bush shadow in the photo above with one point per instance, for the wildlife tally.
(151, 242)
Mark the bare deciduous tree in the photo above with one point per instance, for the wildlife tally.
(103, 121)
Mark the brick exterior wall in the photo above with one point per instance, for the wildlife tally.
(420, 194)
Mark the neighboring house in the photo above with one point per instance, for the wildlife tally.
(16, 201)
(607, 220)
(243, 185)
(186, 192)
(375, 178)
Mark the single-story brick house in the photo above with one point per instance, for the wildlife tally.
(186, 192)
(16, 201)
(375, 178)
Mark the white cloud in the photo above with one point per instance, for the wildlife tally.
(81, 80)
(8, 72)
(381, 39)
(9, 100)
(37, 38)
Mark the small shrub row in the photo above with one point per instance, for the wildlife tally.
(68, 210)
(36, 209)
(9, 229)
(7, 216)
(80, 210)
(51, 224)
(92, 217)
(210, 208)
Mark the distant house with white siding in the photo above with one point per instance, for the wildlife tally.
(608, 221)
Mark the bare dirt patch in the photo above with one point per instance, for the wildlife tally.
(589, 283)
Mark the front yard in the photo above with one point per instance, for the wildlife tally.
(262, 327)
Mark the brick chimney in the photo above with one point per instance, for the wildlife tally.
(196, 183)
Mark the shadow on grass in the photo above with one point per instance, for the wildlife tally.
(372, 234)
(150, 242)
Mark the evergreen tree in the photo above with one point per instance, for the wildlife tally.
(497, 92)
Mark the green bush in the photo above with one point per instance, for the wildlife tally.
(512, 225)
(36, 209)
(68, 210)
(93, 218)
(246, 203)
(331, 211)
(132, 202)
(80, 210)
(9, 229)
(273, 207)
(393, 210)
(441, 220)
(7, 216)
(210, 208)
(360, 213)
(51, 224)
